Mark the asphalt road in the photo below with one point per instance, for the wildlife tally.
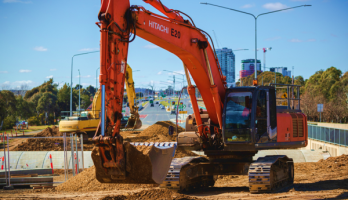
(150, 115)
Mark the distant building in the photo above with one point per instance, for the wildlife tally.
(227, 63)
(248, 67)
(283, 70)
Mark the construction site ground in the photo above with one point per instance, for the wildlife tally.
(326, 179)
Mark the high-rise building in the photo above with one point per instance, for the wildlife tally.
(283, 70)
(248, 67)
(227, 63)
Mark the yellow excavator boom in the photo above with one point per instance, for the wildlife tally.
(134, 120)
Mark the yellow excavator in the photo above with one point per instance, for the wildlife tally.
(87, 121)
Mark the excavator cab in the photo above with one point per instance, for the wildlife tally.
(250, 115)
(253, 120)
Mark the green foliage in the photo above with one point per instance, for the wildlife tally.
(40, 100)
(85, 101)
(9, 102)
(64, 98)
(33, 121)
(9, 122)
(330, 88)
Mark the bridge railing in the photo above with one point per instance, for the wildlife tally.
(330, 135)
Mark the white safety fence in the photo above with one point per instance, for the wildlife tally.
(64, 154)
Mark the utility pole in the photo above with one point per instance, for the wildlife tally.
(79, 91)
(216, 40)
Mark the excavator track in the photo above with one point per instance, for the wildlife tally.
(177, 175)
(270, 174)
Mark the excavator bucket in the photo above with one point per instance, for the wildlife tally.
(145, 163)
(134, 123)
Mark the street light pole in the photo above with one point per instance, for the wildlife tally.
(183, 76)
(79, 90)
(72, 64)
(255, 17)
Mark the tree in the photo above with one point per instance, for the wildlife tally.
(91, 90)
(24, 108)
(10, 102)
(85, 101)
(64, 98)
(78, 86)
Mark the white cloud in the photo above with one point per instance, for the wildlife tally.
(53, 69)
(6, 82)
(273, 38)
(296, 40)
(3, 72)
(159, 73)
(51, 76)
(311, 40)
(248, 5)
(89, 49)
(274, 6)
(151, 46)
(16, 1)
(24, 71)
(41, 48)
(85, 84)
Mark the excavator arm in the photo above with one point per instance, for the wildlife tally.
(119, 24)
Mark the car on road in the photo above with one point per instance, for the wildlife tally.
(162, 107)
(152, 105)
(157, 102)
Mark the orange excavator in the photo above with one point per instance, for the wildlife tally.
(237, 122)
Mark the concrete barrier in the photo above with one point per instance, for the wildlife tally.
(333, 149)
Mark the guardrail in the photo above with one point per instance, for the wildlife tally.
(330, 135)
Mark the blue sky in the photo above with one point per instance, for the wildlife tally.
(39, 37)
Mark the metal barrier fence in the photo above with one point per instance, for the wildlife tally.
(37, 156)
(330, 135)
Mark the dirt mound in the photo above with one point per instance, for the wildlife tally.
(331, 168)
(151, 194)
(49, 132)
(158, 132)
(41, 145)
(86, 181)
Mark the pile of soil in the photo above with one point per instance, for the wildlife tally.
(52, 131)
(41, 145)
(157, 132)
(331, 168)
(151, 194)
(86, 181)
